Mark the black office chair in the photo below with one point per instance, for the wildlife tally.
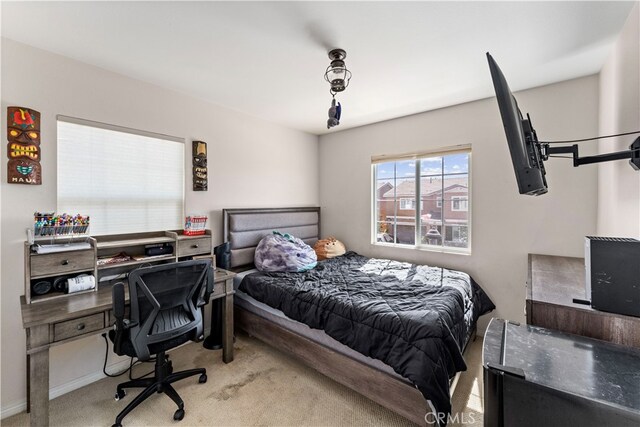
(165, 303)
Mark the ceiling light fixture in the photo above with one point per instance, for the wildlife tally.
(338, 76)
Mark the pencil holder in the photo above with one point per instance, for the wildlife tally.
(52, 225)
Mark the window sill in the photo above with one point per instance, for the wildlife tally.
(425, 248)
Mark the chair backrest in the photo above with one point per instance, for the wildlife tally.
(165, 304)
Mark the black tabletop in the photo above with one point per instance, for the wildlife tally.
(586, 367)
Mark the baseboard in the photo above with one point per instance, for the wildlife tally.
(13, 409)
(21, 406)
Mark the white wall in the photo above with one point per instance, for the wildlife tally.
(251, 164)
(618, 183)
(505, 225)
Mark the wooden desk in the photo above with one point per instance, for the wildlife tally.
(552, 284)
(63, 320)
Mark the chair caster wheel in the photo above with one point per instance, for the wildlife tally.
(202, 379)
(119, 395)
(179, 415)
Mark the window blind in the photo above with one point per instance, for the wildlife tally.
(384, 158)
(127, 181)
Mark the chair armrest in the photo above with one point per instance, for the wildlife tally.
(208, 288)
(121, 324)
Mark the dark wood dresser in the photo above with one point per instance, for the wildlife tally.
(552, 283)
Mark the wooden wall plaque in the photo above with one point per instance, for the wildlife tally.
(23, 147)
(200, 171)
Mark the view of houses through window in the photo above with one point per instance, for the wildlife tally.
(440, 183)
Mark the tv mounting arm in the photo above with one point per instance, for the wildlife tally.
(633, 154)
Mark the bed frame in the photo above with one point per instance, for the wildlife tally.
(244, 228)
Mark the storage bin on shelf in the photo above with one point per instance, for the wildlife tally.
(195, 225)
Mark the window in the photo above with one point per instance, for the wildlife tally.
(407, 204)
(126, 180)
(455, 233)
(459, 204)
(440, 182)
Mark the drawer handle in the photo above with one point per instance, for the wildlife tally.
(65, 262)
(194, 246)
(80, 326)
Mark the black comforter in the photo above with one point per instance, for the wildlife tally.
(414, 318)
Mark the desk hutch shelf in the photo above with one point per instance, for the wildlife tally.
(51, 266)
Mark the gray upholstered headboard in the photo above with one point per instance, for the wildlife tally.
(244, 228)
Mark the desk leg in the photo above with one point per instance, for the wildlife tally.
(28, 383)
(39, 376)
(227, 336)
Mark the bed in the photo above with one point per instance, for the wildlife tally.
(351, 318)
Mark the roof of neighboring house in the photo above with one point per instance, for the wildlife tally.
(384, 186)
(428, 186)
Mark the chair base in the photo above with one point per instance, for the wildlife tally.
(160, 383)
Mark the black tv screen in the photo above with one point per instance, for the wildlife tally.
(521, 138)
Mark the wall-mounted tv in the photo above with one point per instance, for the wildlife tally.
(521, 137)
(528, 154)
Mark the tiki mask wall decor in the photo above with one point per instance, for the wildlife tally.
(23, 147)
(24, 172)
(200, 174)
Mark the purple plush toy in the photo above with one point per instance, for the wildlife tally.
(283, 252)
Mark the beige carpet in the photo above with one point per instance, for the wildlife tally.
(261, 387)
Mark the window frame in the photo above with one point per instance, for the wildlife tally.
(416, 157)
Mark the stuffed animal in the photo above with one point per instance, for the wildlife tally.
(334, 114)
(329, 248)
(284, 252)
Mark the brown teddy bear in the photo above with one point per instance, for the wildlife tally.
(329, 248)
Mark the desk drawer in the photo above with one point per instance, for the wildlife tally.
(79, 326)
(188, 247)
(62, 262)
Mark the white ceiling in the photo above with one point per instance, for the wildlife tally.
(268, 59)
